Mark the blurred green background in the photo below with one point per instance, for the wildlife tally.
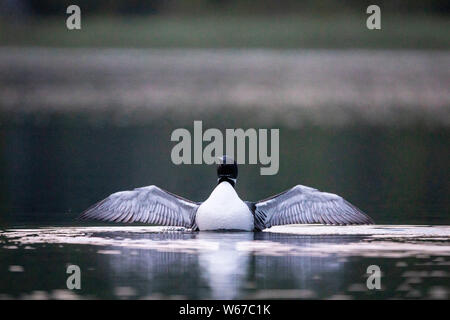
(362, 113)
(227, 24)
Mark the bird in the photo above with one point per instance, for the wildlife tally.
(224, 209)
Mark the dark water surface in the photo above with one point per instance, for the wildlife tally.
(151, 263)
(54, 170)
(51, 172)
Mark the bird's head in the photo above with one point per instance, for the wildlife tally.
(227, 170)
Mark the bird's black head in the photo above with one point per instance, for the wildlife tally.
(227, 170)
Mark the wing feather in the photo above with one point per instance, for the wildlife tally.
(150, 204)
(302, 204)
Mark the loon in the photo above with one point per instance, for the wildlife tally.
(224, 210)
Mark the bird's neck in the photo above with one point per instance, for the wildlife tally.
(227, 179)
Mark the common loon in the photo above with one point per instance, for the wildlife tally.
(224, 210)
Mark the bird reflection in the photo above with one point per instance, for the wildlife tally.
(225, 269)
(227, 265)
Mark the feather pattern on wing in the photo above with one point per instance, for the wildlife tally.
(150, 205)
(302, 204)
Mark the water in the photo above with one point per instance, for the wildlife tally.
(52, 172)
(295, 262)
(78, 125)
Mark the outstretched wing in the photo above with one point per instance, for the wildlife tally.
(150, 204)
(302, 204)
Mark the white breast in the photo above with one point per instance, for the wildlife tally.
(224, 210)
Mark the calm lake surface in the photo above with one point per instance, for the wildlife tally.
(78, 125)
(294, 262)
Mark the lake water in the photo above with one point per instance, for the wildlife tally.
(292, 262)
(77, 125)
